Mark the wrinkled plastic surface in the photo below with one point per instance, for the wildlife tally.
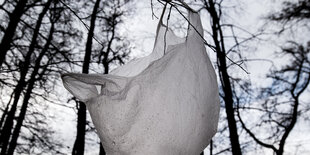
(162, 104)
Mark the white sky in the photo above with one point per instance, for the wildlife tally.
(141, 28)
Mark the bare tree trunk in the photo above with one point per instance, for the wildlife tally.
(211, 147)
(224, 77)
(78, 148)
(290, 126)
(5, 112)
(31, 83)
(101, 151)
(10, 30)
(6, 131)
(79, 144)
(295, 86)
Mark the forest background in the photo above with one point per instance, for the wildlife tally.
(259, 49)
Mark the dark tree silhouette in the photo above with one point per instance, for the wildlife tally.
(14, 18)
(31, 65)
(214, 9)
(32, 81)
(282, 107)
(292, 12)
(116, 48)
(6, 131)
(79, 144)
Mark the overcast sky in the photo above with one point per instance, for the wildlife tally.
(140, 28)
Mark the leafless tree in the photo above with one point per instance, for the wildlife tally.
(6, 131)
(214, 9)
(14, 19)
(283, 99)
(31, 63)
(79, 143)
(281, 102)
(54, 16)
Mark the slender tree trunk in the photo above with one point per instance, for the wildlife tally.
(294, 116)
(101, 151)
(78, 148)
(31, 83)
(224, 77)
(5, 112)
(211, 147)
(15, 16)
(290, 127)
(79, 144)
(6, 132)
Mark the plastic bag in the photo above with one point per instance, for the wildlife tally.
(160, 104)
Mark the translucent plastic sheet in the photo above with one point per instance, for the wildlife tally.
(162, 104)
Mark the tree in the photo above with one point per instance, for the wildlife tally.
(292, 12)
(79, 143)
(283, 97)
(219, 45)
(281, 101)
(50, 42)
(14, 18)
(115, 47)
(32, 81)
(6, 131)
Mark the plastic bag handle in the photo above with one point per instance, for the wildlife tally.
(193, 19)
(160, 23)
(194, 25)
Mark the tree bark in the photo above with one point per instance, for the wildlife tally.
(14, 17)
(6, 131)
(79, 144)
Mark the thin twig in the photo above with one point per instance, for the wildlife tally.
(152, 8)
(75, 14)
(239, 65)
(165, 35)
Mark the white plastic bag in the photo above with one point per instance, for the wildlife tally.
(163, 104)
